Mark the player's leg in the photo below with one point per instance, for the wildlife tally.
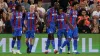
(27, 44)
(59, 35)
(12, 45)
(19, 34)
(67, 41)
(47, 43)
(13, 42)
(27, 41)
(75, 42)
(49, 31)
(53, 42)
(18, 44)
(31, 40)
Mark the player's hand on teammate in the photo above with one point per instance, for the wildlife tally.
(24, 29)
(12, 29)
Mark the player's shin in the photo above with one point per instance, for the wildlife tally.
(31, 44)
(27, 42)
(75, 45)
(13, 42)
(18, 42)
(47, 44)
(59, 43)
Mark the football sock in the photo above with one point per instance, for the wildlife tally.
(47, 44)
(18, 44)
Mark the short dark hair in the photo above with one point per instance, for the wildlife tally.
(18, 7)
(75, 3)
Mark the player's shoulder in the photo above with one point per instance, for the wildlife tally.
(27, 13)
(50, 9)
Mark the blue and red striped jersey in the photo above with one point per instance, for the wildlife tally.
(72, 17)
(51, 17)
(61, 21)
(31, 21)
(16, 20)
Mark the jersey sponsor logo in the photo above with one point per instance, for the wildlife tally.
(75, 16)
(60, 19)
(54, 14)
(31, 18)
(18, 17)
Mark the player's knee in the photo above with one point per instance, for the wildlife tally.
(59, 38)
(69, 39)
(14, 38)
(31, 40)
(51, 36)
(75, 38)
(26, 40)
(19, 38)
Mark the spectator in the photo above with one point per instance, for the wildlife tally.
(42, 12)
(96, 19)
(19, 1)
(83, 22)
(31, 2)
(1, 20)
(93, 6)
(7, 22)
(47, 4)
(3, 5)
(12, 4)
(26, 5)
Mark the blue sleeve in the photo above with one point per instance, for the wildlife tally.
(48, 12)
(12, 19)
(70, 14)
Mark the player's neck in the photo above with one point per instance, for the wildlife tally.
(74, 8)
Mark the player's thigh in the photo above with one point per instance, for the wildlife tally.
(59, 34)
(32, 33)
(27, 34)
(50, 30)
(65, 33)
(75, 33)
(14, 33)
(19, 32)
(69, 33)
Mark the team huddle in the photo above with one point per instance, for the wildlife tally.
(55, 18)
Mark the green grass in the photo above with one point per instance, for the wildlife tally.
(95, 43)
(41, 54)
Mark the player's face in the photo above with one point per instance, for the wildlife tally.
(60, 11)
(32, 9)
(56, 5)
(77, 6)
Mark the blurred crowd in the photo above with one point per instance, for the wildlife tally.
(88, 20)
